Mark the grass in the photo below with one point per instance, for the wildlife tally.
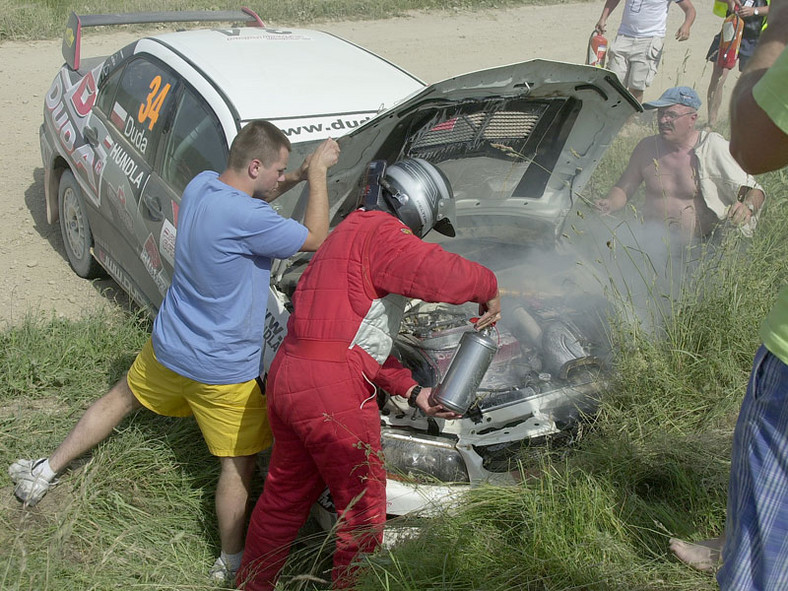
(45, 19)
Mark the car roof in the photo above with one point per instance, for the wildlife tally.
(281, 73)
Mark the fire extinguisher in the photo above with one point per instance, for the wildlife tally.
(730, 40)
(597, 50)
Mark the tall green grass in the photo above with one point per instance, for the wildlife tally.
(46, 19)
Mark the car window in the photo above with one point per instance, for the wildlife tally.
(141, 104)
(196, 142)
(106, 94)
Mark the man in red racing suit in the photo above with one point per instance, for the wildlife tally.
(321, 397)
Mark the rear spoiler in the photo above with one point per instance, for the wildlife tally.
(72, 40)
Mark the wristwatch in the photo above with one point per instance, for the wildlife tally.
(755, 12)
(413, 395)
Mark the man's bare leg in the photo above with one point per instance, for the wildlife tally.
(95, 425)
(638, 94)
(232, 496)
(705, 556)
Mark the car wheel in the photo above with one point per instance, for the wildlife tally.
(75, 228)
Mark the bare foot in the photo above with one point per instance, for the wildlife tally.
(705, 556)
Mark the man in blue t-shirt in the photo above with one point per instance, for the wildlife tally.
(203, 358)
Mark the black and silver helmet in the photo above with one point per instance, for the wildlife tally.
(420, 195)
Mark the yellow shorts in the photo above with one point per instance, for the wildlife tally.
(232, 417)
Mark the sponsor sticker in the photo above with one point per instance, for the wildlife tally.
(175, 209)
(167, 241)
(127, 165)
(120, 204)
(152, 261)
(68, 109)
(314, 128)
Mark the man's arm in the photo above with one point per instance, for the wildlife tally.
(748, 11)
(626, 186)
(315, 169)
(689, 17)
(610, 6)
(757, 144)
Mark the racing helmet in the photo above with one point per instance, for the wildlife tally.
(420, 195)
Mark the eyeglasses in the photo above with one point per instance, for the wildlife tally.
(672, 116)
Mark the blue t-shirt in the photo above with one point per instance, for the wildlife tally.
(210, 326)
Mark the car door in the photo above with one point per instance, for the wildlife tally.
(193, 142)
(136, 102)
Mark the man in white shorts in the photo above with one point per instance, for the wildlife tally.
(635, 54)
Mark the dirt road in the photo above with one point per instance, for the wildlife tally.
(36, 278)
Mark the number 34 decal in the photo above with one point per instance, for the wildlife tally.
(150, 110)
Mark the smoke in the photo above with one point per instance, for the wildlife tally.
(600, 265)
(644, 268)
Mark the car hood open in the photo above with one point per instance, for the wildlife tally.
(517, 142)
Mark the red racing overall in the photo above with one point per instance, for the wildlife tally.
(321, 403)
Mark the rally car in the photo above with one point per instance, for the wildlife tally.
(122, 135)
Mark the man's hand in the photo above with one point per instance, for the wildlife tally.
(683, 33)
(748, 203)
(739, 213)
(601, 26)
(603, 206)
(491, 313)
(423, 402)
(324, 157)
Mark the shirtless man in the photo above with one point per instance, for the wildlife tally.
(692, 182)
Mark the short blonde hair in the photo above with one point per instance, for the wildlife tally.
(258, 139)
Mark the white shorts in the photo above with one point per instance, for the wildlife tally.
(635, 59)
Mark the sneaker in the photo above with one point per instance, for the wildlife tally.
(221, 573)
(30, 488)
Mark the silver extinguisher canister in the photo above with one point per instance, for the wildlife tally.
(457, 390)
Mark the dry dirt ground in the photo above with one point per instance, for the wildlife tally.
(36, 278)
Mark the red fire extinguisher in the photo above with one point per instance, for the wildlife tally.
(597, 50)
(730, 40)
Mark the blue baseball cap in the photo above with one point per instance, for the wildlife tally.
(678, 95)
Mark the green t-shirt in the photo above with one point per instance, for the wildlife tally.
(771, 94)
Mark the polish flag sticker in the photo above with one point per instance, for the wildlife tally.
(118, 116)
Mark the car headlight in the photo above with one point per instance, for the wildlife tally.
(422, 459)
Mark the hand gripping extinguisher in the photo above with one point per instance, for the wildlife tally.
(730, 40)
(597, 50)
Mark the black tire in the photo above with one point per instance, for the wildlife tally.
(75, 228)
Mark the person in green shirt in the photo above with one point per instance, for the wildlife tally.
(753, 553)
